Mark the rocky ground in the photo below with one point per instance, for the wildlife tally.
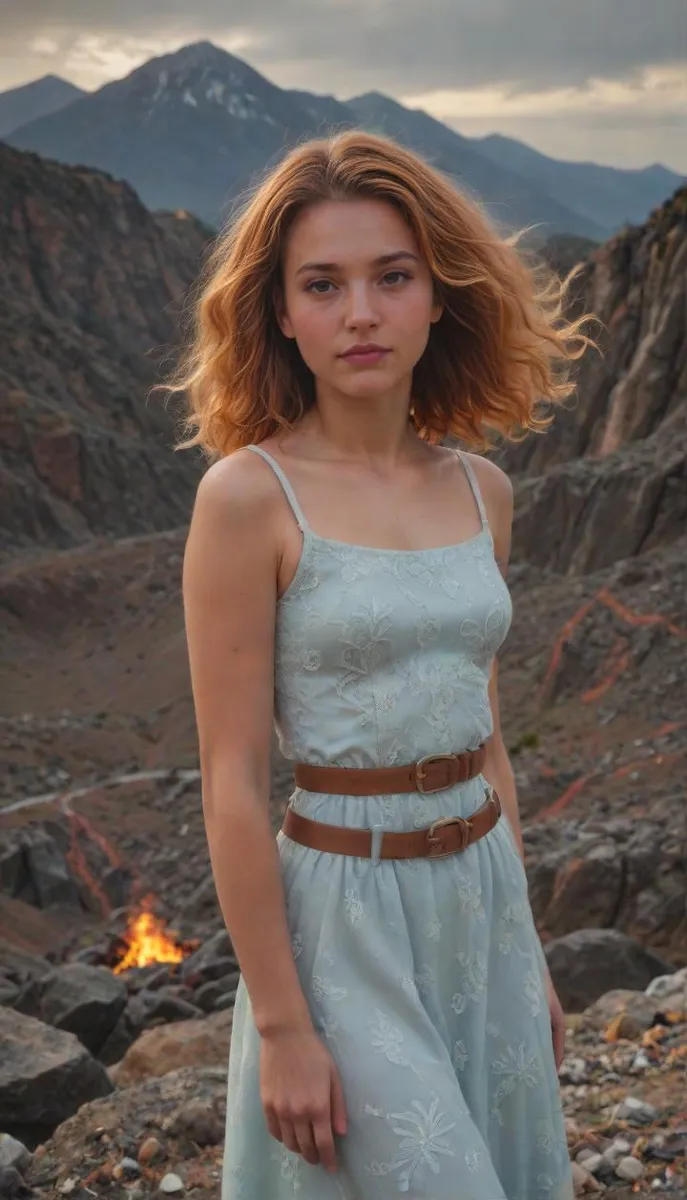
(100, 804)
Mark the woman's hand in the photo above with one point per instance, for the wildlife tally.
(557, 1023)
(301, 1095)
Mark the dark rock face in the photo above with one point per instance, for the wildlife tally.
(33, 868)
(626, 874)
(162, 1007)
(86, 1001)
(19, 970)
(91, 294)
(609, 479)
(45, 1074)
(589, 962)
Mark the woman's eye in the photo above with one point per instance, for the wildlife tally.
(393, 277)
(319, 286)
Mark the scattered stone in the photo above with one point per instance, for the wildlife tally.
(624, 1013)
(573, 1070)
(45, 1073)
(670, 992)
(572, 1129)
(148, 1009)
(12, 1184)
(171, 1184)
(630, 1168)
(613, 1154)
(218, 947)
(636, 1112)
(582, 1180)
(199, 1121)
(226, 1001)
(150, 1150)
(663, 985)
(591, 1161)
(128, 1168)
(13, 1153)
(151, 977)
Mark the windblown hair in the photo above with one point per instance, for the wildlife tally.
(497, 357)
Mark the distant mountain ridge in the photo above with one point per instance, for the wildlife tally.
(196, 128)
(34, 100)
(601, 193)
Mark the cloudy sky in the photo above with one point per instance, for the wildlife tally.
(595, 79)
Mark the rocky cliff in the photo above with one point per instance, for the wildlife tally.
(91, 293)
(609, 480)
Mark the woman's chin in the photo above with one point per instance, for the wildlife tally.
(371, 385)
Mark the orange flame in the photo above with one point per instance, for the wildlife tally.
(149, 942)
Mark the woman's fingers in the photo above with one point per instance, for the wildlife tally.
(273, 1123)
(339, 1118)
(324, 1140)
(287, 1135)
(306, 1141)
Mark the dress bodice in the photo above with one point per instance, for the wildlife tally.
(383, 656)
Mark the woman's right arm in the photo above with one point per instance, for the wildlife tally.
(230, 596)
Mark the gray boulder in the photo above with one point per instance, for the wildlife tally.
(163, 1007)
(589, 962)
(45, 1074)
(33, 868)
(13, 1154)
(83, 1000)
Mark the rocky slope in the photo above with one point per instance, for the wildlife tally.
(609, 480)
(91, 292)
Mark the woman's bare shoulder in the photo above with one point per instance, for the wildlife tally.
(236, 490)
(495, 485)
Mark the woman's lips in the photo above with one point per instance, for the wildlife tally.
(365, 356)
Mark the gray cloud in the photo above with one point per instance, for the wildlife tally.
(406, 48)
(400, 46)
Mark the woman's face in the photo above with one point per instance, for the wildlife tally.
(358, 297)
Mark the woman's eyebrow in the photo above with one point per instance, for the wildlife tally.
(382, 261)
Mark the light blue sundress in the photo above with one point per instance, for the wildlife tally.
(424, 977)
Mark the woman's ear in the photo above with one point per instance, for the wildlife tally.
(281, 314)
(436, 310)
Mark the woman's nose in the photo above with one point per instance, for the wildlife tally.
(360, 307)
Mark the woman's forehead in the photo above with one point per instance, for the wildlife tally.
(347, 233)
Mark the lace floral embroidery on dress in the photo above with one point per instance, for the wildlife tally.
(423, 1131)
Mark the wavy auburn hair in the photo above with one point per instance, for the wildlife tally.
(501, 349)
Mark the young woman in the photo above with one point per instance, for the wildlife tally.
(395, 1029)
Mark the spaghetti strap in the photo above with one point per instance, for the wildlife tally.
(288, 490)
(474, 487)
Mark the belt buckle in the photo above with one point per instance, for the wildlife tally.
(443, 821)
(421, 772)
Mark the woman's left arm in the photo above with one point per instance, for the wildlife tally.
(497, 491)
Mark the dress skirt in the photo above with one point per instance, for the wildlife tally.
(425, 980)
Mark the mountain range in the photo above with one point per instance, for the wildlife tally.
(194, 129)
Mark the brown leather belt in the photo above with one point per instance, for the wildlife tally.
(432, 773)
(446, 836)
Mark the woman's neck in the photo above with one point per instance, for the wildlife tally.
(373, 430)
